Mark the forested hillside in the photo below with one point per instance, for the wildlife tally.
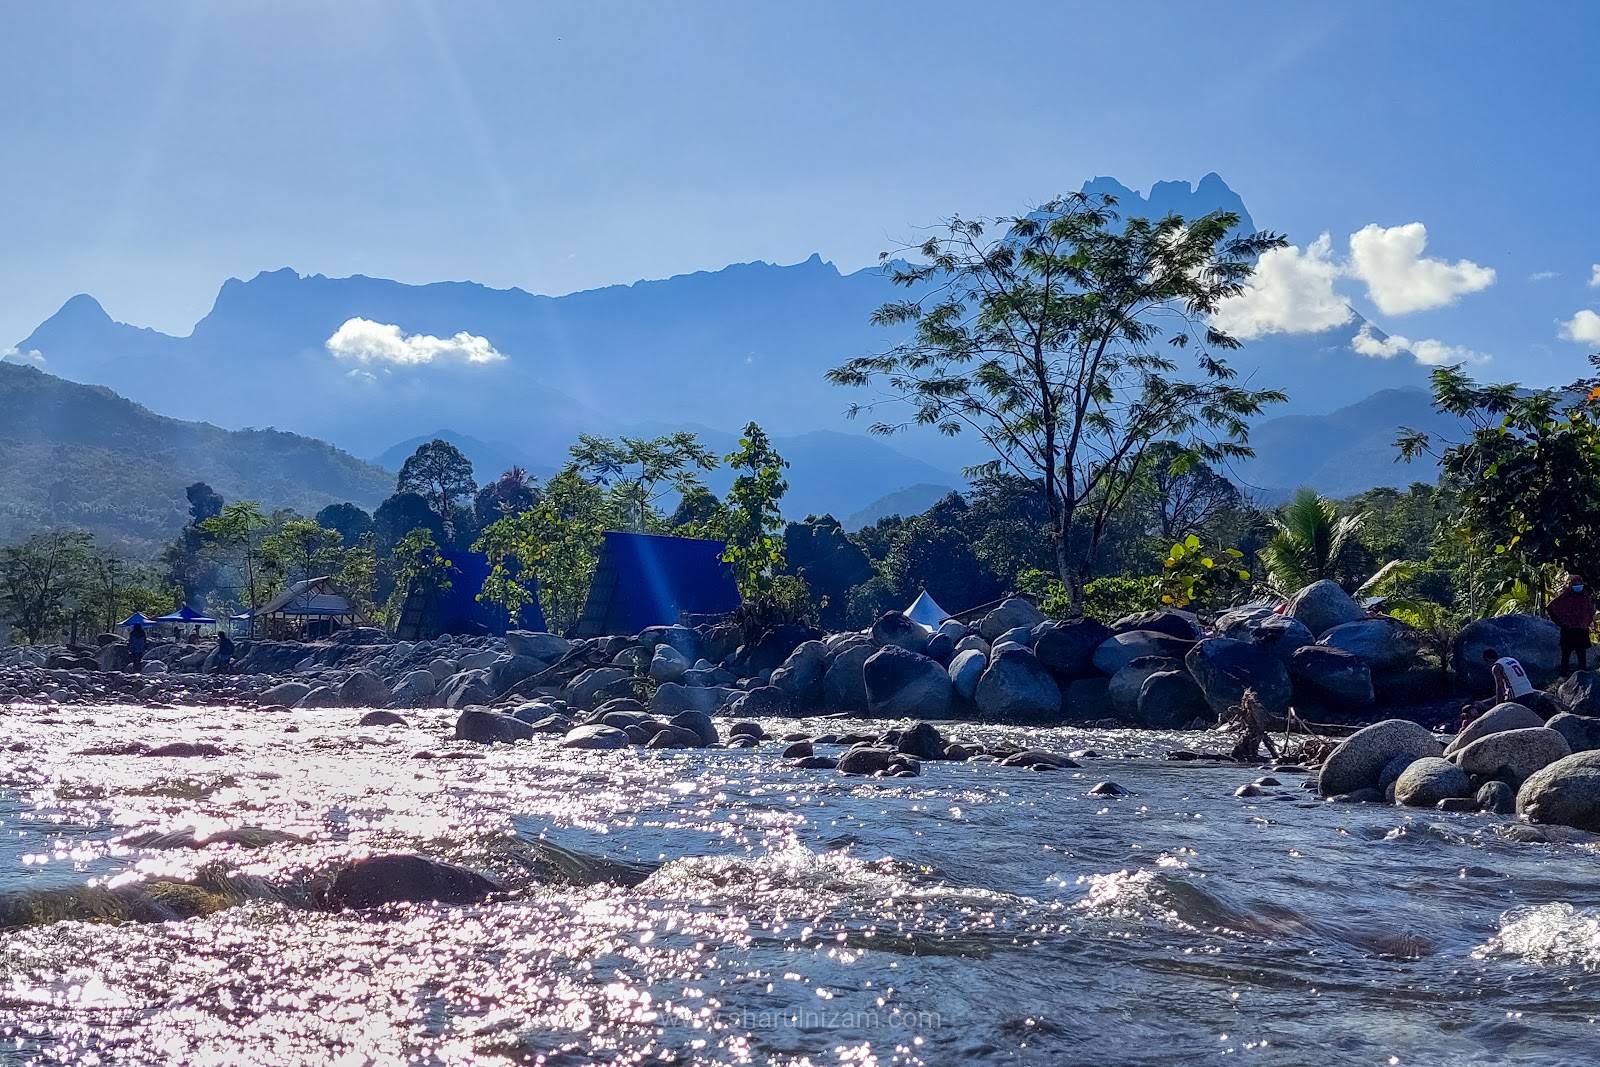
(78, 456)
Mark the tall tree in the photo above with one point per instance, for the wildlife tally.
(1043, 342)
(36, 579)
(514, 491)
(1310, 541)
(237, 530)
(639, 472)
(204, 502)
(301, 549)
(350, 520)
(441, 475)
(753, 516)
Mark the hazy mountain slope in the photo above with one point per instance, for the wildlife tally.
(912, 500)
(80, 456)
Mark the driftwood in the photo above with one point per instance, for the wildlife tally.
(1256, 724)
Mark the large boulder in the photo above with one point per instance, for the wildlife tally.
(540, 646)
(765, 701)
(1581, 731)
(904, 684)
(287, 694)
(1278, 634)
(595, 736)
(1169, 700)
(1330, 677)
(415, 690)
(1382, 644)
(802, 673)
(467, 687)
(404, 879)
(490, 727)
(364, 689)
(844, 686)
(1498, 719)
(1359, 760)
(699, 723)
(1012, 612)
(682, 638)
(1127, 683)
(667, 664)
(1566, 792)
(1323, 605)
(966, 668)
(1225, 669)
(1579, 693)
(774, 646)
(1172, 623)
(1066, 648)
(672, 698)
(1512, 755)
(1119, 650)
(1531, 641)
(507, 671)
(1016, 687)
(867, 759)
(1088, 699)
(893, 628)
(1429, 780)
(600, 682)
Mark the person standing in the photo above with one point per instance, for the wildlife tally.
(138, 641)
(222, 659)
(1573, 611)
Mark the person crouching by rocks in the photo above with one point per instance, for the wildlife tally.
(1511, 685)
(1573, 611)
(138, 641)
(222, 658)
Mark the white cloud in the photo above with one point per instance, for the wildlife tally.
(17, 355)
(1290, 292)
(1430, 352)
(1400, 279)
(365, 341)
(1594, 276)
(1544, 276)
(1584, 328)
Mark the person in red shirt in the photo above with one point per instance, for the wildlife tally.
(1573, 611)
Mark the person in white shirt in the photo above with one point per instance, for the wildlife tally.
(1511, 685)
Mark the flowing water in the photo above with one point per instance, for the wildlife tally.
(718, 907)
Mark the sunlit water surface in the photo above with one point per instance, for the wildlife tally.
(978, 914)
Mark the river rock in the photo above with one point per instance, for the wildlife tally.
(1430, 780)
(489, 727)
(507, 671)
(1497, 797)
(920, 739)
(1512, 755)
(467, 687)
(1581, 731)
(1330, 677)
(595, 737)
(1382, 644)
(902, 684)
(1531, 641)
(1088, 699)
(765, 701)
(1012, 612)
(940, 648)
(381, 718)
(1225, 669)
(286, 693)
(1067, 647)
(682, 638)
(1323, 605)
(671, 698)
(415, 690)
(1501, 717)
(966, 668)
(1360, 758)
(442, 669)
(1567, 793)
(597, 683)
(1016, 687)
(547, 648)
(1169, 700)
(667, 664)
(894, 629)
(1172, 623)
(1119, 650)
(1127, 683)
(844, 686)
(364, 689)
(866, 759)
(802, 673)
(1579, 693)
(378, 880)
(322, 696)
(700, 723)
(481, 660)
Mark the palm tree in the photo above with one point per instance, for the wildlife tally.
(1309, 542)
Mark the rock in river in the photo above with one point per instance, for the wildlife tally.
(488, 727)
(1512, 755)
(1359, 760)
(1567, 793)
(379, 880)
(902, 684)
(1430, 780)
(1017, 687)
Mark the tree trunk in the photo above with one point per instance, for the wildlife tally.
(1069, 574)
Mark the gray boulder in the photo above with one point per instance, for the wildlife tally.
(1119, 650)
(540, 646)
(507, 671)
(1429, 780)
(477, 661)
(1359, 760)
(672, 698)
(1016, 687)
(1172, 623)
(286, 693)
(699, 723)
(1323, 605)
(1127, 683)
(764, 701)
(322, 696)
(844, 686)
(801, 675)
(1497, 797)
(1581, 731)
(597, 683)
(667, 664)
(1279, 635)
(1579, 693)
(894, 629)
(1067, 648)
(596, 737)
(1382, 644)
(867, 759)
(1012, 612)
(1088, 699)
(1531, 641)
(364, 689)
(1512, 755)
(489, 727)
(467, 687)
(1169, 700)
(1566, 793)
(904, 684)
(682, 638)
(415, 690)
(1330, 677)
(966, 668)
(442, 669)
(1497, 719)
(1225, 669)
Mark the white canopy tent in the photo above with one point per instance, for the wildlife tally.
(925, 612)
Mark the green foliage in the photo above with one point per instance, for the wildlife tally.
(786, 601)
(820, 553)
(1109, 599)
(639, 472)
(752, 514)
(440, 474)
(302, 549)
(1202, 579)
(351, 521)
(1043, 341)
(61, 583)
(1310, 541)
(515, 491)
(237, 532)
(418, 565)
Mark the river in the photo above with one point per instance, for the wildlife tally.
(712, 907)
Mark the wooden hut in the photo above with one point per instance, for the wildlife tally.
(305, 611)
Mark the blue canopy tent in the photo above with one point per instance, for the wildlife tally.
(187, 616)
(650, 580)
(136, 619)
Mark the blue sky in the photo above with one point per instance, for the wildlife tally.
(153, 150)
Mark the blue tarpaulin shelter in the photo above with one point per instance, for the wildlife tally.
(188, 617)
(457, 610)
(650, 580)
(136, 619)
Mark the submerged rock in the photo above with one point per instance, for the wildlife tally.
(379, 880)
(598, 737)
(489, 727)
